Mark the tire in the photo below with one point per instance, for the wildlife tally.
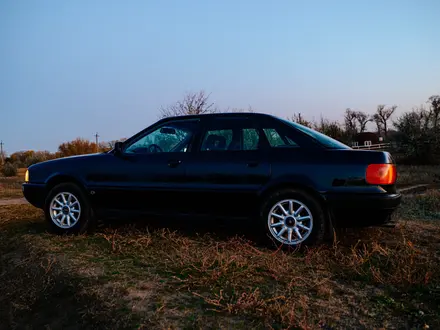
(310, 207)
(79, 208)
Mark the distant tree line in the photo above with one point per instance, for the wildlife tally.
(79, 146)
(415, 133)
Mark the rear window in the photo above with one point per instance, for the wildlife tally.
(323, 139)
(276, 140)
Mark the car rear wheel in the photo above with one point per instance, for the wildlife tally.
(292, 217)
(67, 209)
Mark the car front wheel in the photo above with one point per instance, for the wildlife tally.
(293, 218)
(67, 209)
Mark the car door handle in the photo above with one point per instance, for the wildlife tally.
(174, 163)
(252, 164)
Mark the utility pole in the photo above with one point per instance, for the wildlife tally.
(1, 151)
(96, 139)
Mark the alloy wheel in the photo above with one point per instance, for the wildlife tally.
(65, 210)
(290, 222)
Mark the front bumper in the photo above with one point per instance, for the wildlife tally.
(35, 193)
(360, 210)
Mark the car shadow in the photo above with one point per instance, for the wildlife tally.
(221, 229)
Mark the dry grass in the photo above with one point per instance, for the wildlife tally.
(167, 276)
(10, 187)
(412, 175)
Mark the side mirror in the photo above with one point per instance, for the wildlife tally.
(118, 148)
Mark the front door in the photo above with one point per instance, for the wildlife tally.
(150, 173)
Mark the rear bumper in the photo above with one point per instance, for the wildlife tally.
(360, 210)
(35, 194)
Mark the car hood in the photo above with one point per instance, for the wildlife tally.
(74, 166)
(64, 160)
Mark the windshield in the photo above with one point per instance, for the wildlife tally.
(325, 140)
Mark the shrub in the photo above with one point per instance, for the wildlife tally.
(9, 169)
(38, 157)
(419, 133)
(77, 147)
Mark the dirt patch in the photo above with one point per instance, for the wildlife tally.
(13, 201)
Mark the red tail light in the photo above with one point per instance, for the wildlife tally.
(382, 174)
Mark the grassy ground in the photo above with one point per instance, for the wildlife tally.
(412, 175)
(421, 206)
(171, 275)
(10, 187)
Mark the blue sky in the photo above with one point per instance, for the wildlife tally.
(72, 68)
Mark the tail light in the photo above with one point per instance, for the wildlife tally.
(381, 174)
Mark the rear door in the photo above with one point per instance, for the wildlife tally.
(228, 167)
(294, 156)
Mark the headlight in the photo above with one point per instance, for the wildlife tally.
(26, 176)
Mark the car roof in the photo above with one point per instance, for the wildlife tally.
(220, 115)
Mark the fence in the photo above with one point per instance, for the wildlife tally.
(379, 146)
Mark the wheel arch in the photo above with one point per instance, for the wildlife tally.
(59, 178)
(294, 184)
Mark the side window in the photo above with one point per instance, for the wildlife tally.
(216, 140)
(276, 139)
(233, 139)
(172, 137)
(251, 139)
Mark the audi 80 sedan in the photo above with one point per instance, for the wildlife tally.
(293, 182)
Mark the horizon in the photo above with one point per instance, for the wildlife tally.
(73, 69)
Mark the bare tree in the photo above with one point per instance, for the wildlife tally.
(378, 123)
(298, 118)
(350, 121)
(192, 104)
(363, 119)
(382, 116)
(330, 128)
